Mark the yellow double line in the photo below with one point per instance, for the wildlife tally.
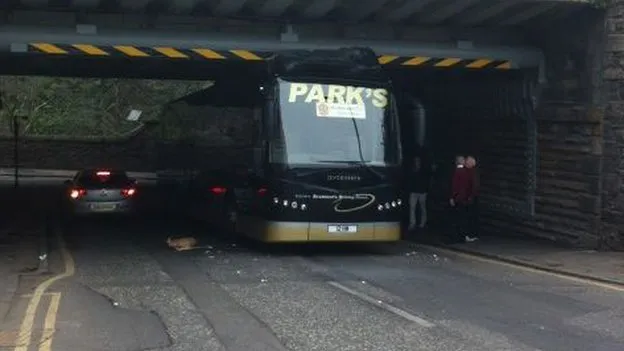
(26, 328)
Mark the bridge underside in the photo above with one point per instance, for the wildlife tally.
(425, 12)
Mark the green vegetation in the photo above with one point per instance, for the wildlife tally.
(600, 4)
(84, 107)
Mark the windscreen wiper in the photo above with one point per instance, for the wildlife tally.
(362, 162)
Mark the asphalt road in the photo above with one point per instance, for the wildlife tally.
(130, 292)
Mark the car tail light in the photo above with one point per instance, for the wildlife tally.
(102, 173)
(262, 191)
(218, 190)
(128, 192)
(77, 193)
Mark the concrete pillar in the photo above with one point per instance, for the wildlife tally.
(612, 214)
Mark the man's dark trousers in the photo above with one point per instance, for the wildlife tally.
(460, 222)
(472, 218)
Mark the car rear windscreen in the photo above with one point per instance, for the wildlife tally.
(111, 179)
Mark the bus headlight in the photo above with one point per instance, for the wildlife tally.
(288, 203)
(394, 204)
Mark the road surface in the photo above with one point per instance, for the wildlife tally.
(123, 289)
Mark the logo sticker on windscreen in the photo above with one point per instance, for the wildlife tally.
(324, 109)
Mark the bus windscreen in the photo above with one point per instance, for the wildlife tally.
(333, 123)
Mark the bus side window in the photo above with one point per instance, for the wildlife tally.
(258, 158)
(275, 142)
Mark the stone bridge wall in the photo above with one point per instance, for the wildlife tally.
(570, 124)
(612, 96)
(128, 152)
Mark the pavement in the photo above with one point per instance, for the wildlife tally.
(20, 246)
(124, 289)
(601, 266)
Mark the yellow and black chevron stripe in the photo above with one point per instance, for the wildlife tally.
(130, 51)
(171, 53)
(445, 62)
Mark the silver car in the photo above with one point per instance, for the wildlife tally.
(100, 191)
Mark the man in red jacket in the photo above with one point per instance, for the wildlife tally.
(460, 192)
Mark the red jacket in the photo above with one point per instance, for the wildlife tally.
(461, 187)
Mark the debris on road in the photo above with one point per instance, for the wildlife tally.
(185, 244)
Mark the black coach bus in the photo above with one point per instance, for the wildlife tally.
(327, 160)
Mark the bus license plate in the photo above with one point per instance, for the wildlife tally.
(342, 229)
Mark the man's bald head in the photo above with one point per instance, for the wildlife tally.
(471, 162)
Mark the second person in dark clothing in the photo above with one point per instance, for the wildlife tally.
(472, 209)
(460, 191)
(418, 182)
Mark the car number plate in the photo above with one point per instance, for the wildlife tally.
(103, 207)
(338, 229)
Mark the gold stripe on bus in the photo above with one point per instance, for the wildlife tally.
(49, 48)
(131, 51)
(448, 62)
(385, 59)
(209, 54)
(247, 55)
(480, 63)
(171, 52)
(90, 50)
(415, 61)
(506, 65)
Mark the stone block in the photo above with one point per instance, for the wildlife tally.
(612, 182)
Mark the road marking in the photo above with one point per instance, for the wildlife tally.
(29, 296)
(49, 325)
(394, 310)
(26, 329)
(521, 267)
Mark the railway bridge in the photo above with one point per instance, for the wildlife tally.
(534, 88)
